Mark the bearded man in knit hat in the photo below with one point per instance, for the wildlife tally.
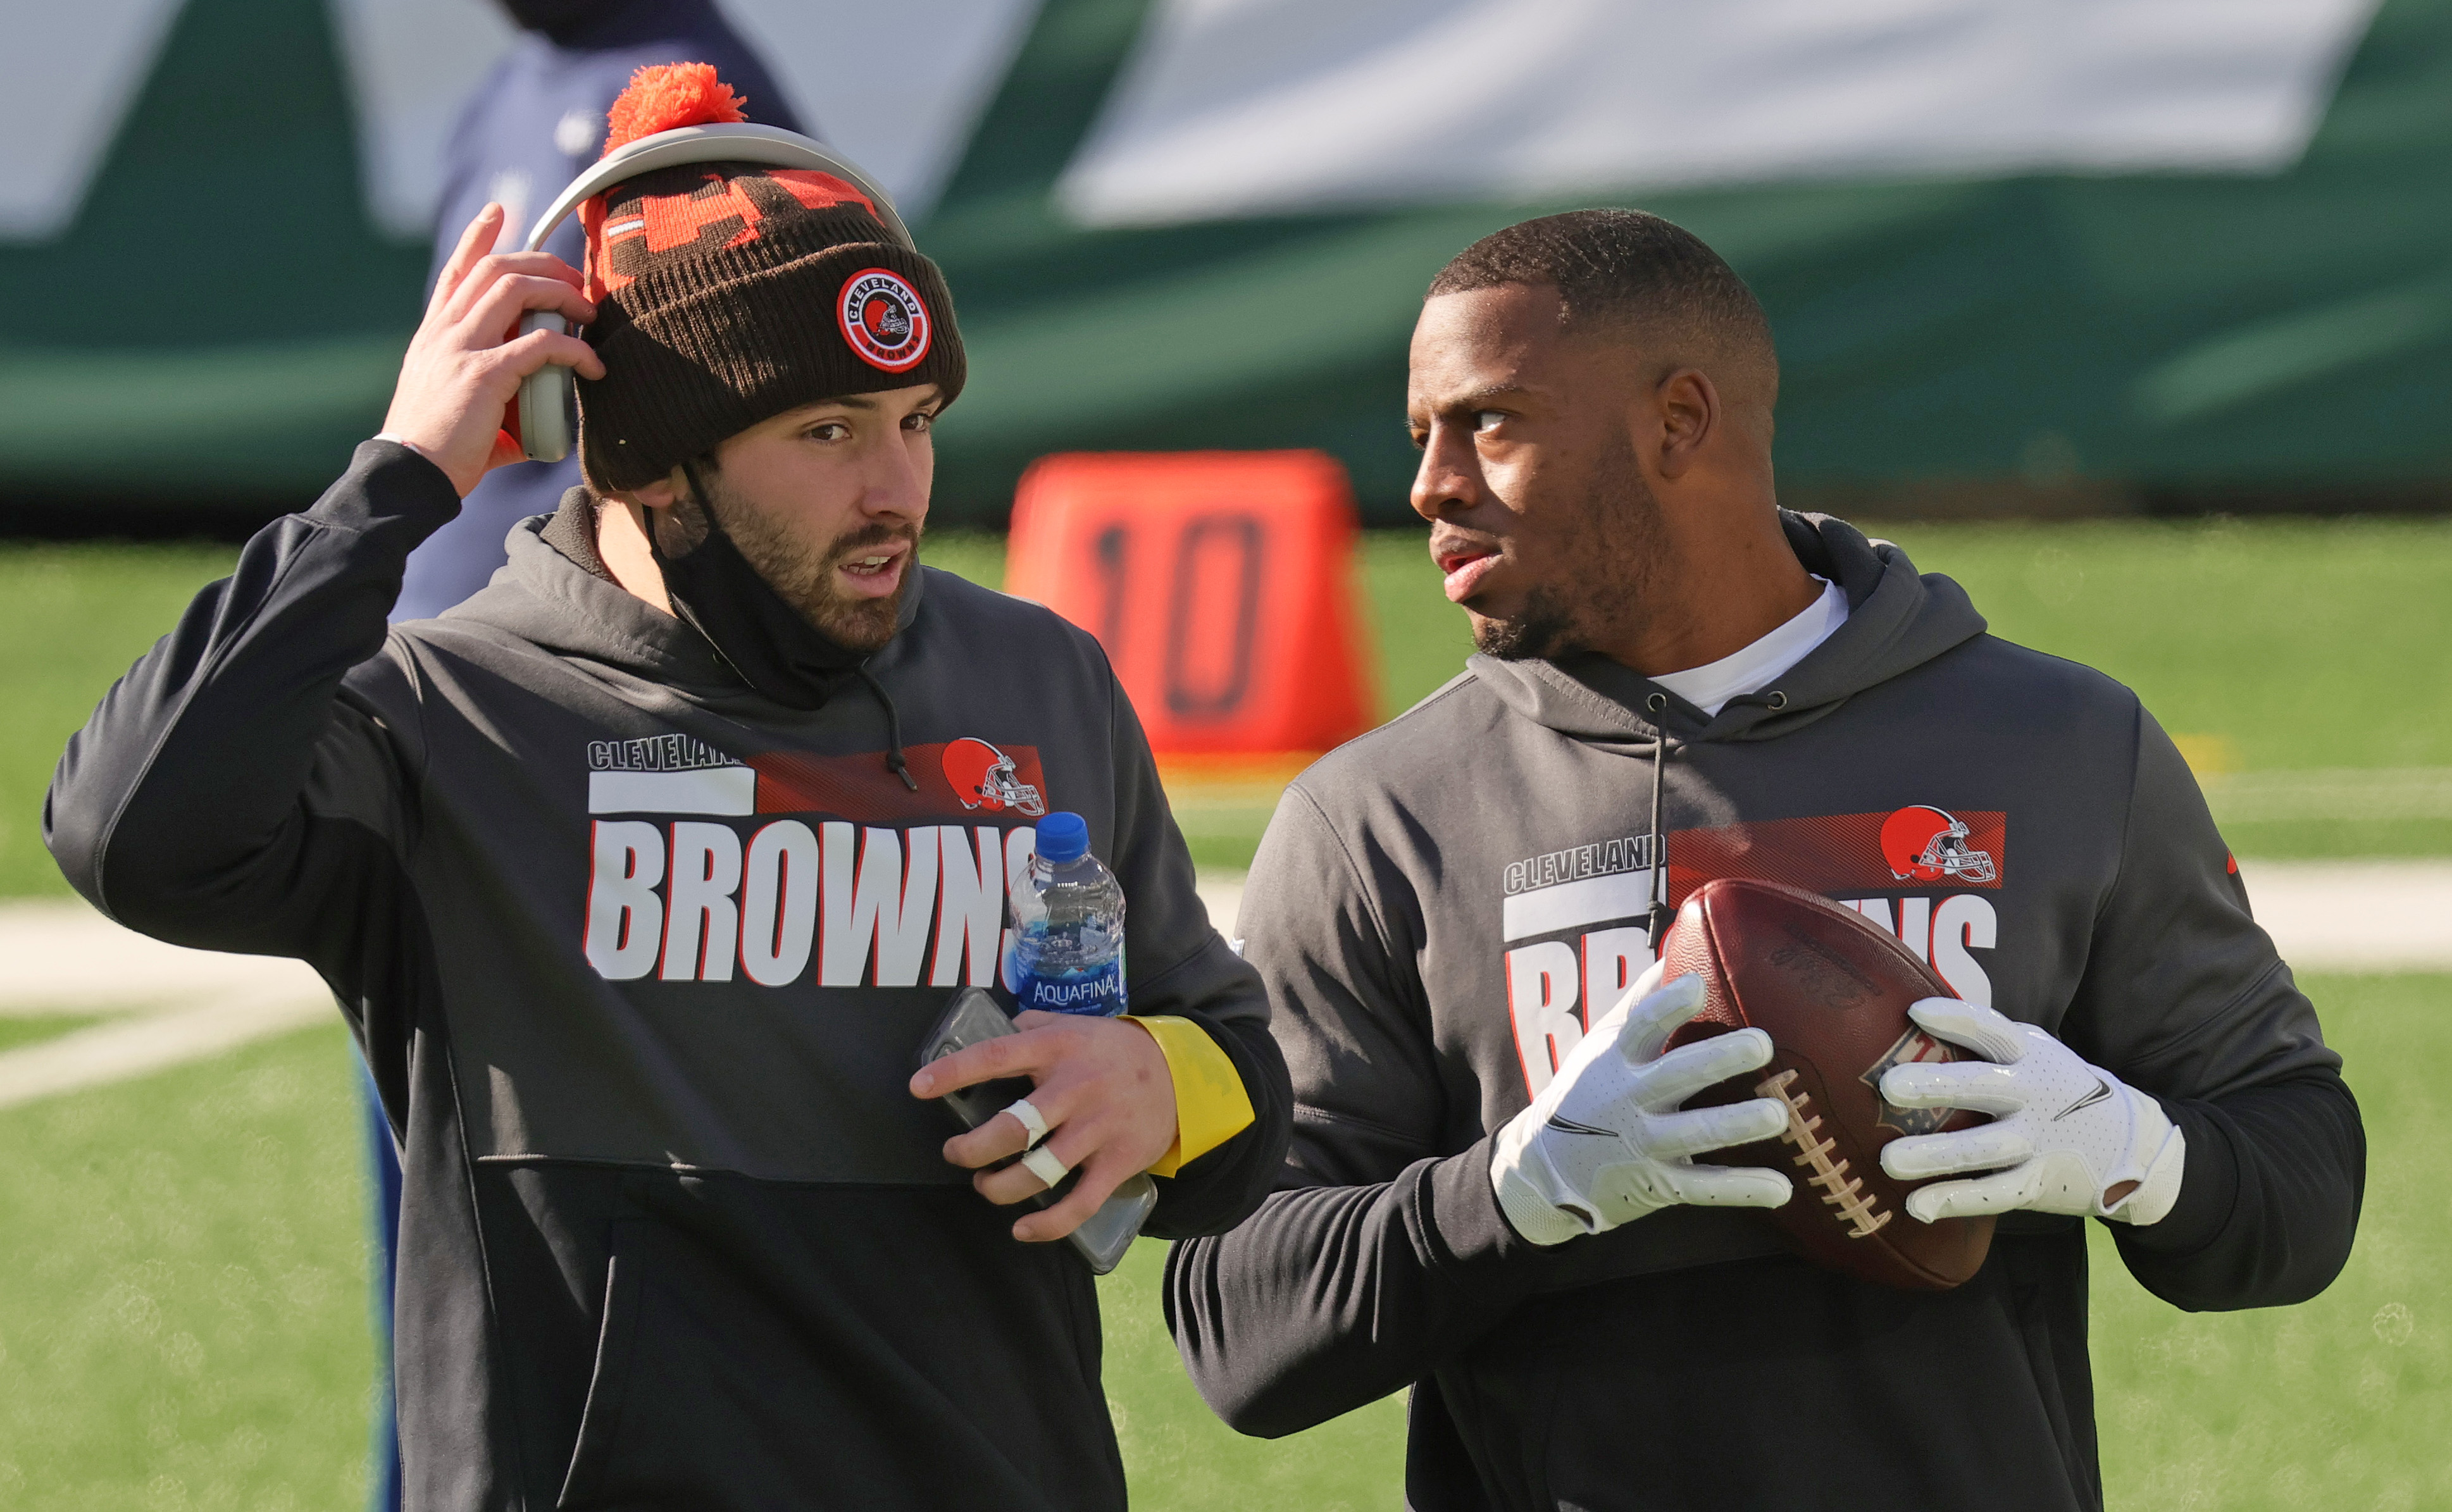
(641, 876)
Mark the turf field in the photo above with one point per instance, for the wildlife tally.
(26, 1030)
(183, 1317)
(2286, 655)
(74, 617)
(182, 1303)
(2276, 647)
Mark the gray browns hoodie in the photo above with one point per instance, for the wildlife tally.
(1440, 907)
(641, 962)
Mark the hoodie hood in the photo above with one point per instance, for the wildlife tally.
(554, 591)
(1897, 619)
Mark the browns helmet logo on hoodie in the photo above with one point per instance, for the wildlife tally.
(1924, 844)
(985, 777)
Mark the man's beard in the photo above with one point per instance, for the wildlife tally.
(1617, 543)
(1544, 628)
(801, 572)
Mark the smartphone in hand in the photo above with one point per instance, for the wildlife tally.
(972, 1018)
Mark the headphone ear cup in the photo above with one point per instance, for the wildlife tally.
(548, 399)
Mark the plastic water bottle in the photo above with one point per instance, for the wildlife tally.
(1068, 949)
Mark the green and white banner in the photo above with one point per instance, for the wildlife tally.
(2013, 249)
(1243, 107)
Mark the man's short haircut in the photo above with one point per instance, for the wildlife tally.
(1624, 268)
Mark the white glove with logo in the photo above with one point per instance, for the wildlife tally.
(1605, 1143)
(2075, 1139)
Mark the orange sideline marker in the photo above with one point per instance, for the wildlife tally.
(1222, 587)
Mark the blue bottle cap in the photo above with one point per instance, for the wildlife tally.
(1063, 838)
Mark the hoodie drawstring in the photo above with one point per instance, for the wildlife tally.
(1657, 705)
(894, 761)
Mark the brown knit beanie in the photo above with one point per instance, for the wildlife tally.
(728, 293)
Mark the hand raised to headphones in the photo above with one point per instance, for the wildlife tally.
(466, 359)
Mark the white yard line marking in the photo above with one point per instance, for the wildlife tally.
(2324, 915)
(151, 1042)
(1222, 893)
(178, 1005)
(2355, 916)
(173, 1005)
(57, 957)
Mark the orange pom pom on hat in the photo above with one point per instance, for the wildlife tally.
(729, 292)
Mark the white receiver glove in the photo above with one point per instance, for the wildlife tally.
(2070, 1134)
(1605, 1143)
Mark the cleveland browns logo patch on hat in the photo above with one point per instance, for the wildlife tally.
(883, 319)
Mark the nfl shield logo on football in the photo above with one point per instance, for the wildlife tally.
(1915, 1046)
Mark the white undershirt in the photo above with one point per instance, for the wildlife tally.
(1709, 687)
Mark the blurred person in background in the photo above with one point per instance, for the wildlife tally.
(534, 124)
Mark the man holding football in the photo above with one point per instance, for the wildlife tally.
(1494, 1195)
(642, 875)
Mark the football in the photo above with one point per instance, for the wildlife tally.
(1832, 992)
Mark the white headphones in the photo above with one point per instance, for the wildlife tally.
(548, 399)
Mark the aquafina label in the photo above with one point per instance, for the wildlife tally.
(1068, 949)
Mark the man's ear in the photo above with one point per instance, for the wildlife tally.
(1689, 412)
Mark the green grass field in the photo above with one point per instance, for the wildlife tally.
(17, 1030)
(183, 1311)
(2287, 645)
(74, 617)
(182, 1318)
(2269, 646)
(2226, 627)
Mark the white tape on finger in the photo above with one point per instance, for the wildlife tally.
(1033, 1122)
(1044, 1165)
